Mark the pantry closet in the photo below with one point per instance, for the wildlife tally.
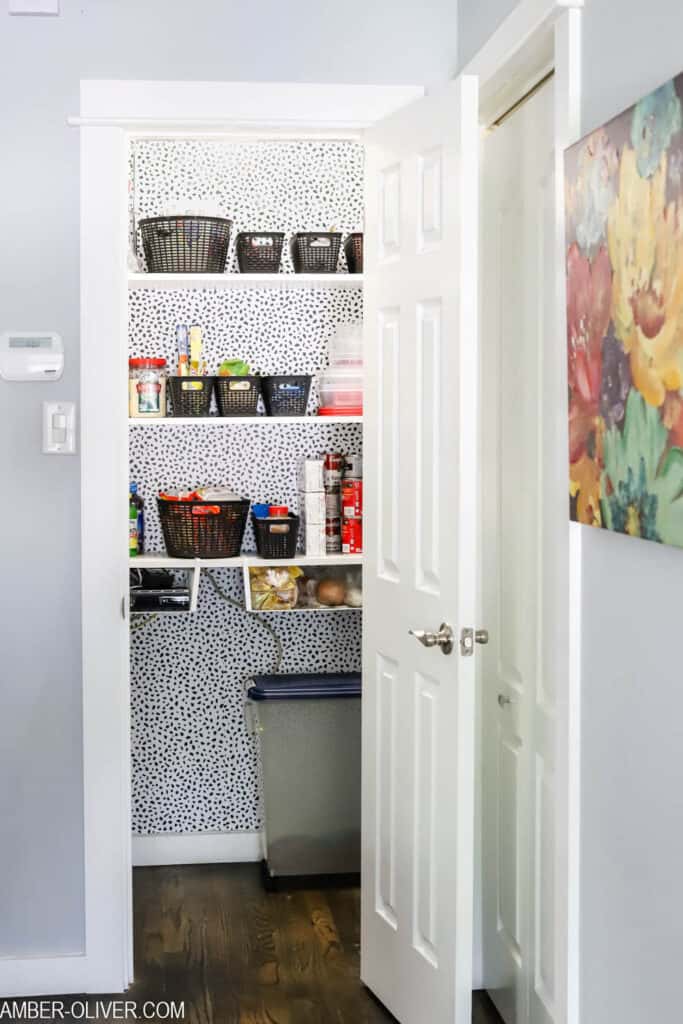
(194, 762)
(287, 158)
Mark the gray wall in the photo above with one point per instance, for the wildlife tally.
(41, 62)
(632, 699)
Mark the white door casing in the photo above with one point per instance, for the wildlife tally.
(420, 452)
(518, 699)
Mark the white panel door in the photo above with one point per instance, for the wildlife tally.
(517, 323)
(420, 444)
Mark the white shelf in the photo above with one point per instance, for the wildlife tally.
(302, 611)
(228, 421)
(169, 282)
(164, 561)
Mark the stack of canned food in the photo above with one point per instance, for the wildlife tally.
(331, 504)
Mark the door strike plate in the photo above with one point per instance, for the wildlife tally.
(467, 642)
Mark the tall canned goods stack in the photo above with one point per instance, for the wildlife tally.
(332, 477)
(352, 505)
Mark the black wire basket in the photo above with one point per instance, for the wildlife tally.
(286, 395)
(203, 529)
(316, 252)
(259, 252)
(190, 396)
(276, 537)
(353, 249)
(185, 245)
(237, 396)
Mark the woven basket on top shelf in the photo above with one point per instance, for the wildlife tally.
(259, 252)
(315, 252)
(185, 245)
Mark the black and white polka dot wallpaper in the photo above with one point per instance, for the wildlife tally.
(276, 330)
(259, 186)
(194, 762)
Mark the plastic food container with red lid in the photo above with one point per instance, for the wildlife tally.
(147, 388)
(341, 389)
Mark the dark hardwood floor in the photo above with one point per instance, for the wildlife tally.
(211, 936)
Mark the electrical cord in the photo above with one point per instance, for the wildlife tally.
(259, 622)
(136, 624)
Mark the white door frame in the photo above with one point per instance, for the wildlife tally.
(111, 112)
(536, 36)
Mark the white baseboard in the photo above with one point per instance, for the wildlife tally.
(196, 848)
(42, 976)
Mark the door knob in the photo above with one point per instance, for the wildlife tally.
(442, 639)
(504, 701)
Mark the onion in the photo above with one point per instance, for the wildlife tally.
(331, 593)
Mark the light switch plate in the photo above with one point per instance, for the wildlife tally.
(59, 428)
(41, 7)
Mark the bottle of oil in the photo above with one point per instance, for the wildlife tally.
(138, 504)
(132, 527)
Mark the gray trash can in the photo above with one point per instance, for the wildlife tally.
(309, 729)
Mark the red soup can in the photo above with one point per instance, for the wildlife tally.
(332, 470)
(352, 499)
(352, 536)
(333, 543)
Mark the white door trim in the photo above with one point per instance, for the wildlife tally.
(536, 36)
(110, 112)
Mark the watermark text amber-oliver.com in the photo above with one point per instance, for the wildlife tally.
(90, 1010)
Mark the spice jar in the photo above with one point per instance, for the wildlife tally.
(279, 512)
(147, 388)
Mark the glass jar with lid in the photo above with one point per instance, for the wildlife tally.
(147, 388)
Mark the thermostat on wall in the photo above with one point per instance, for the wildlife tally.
(31, 355)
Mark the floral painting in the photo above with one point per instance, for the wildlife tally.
(624, 203)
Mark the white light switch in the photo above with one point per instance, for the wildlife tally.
(34, 6)
(59, 428)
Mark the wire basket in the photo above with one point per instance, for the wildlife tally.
(259, 252)
(286, 395)
(277, 537)
(203, 529)
(237, 396)
(185, 245)
(353, 249)
(190, 396)
(315, 252)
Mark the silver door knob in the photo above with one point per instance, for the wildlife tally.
(443, 638)
(504, 701)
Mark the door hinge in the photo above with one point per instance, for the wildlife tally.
(469, 637)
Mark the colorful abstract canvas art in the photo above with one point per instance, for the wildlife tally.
(624, 208)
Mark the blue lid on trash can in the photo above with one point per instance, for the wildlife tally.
(302, 686)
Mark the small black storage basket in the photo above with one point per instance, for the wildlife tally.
(237, 396)
(203, 529)
(190, 396)
(316, 252)
(185, 245)
(353, 248)
(286, 396)
(277, 537)
(259, 252)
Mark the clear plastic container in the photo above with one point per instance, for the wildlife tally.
(346, 347)
(341, 388)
